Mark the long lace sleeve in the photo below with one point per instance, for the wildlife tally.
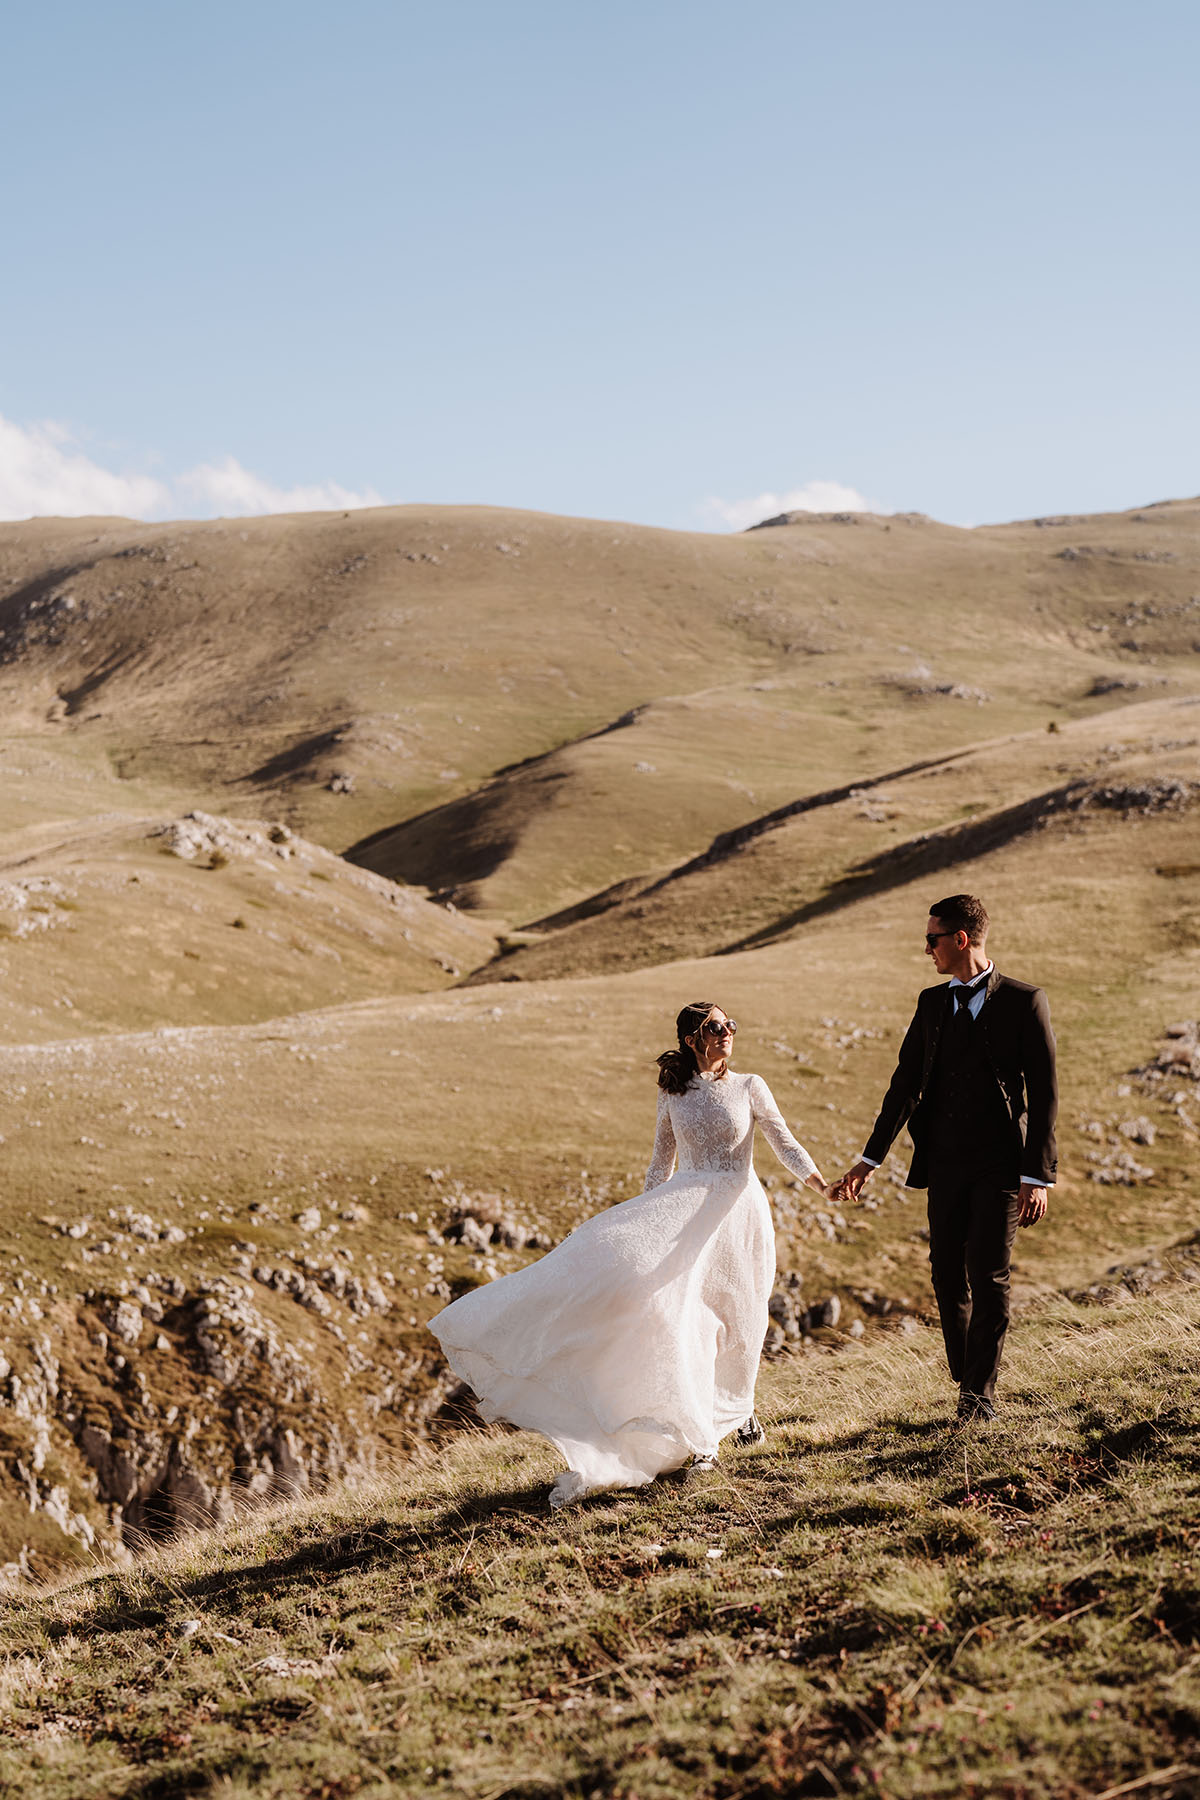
(791, 1154)
(662, 1158)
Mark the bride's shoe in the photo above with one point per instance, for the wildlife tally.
(567, 1489)
(750, 1432)
(703, 1463)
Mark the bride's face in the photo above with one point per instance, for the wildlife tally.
(713, 1043)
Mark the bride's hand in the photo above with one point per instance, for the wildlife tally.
(816, 1181)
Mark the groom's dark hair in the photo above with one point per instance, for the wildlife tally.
(963, 912)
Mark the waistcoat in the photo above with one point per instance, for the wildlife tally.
(963, 1102)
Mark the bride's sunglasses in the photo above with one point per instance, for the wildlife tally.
(718, 1027)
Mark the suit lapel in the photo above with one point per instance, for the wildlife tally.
(994, 1023)
(938, 1010)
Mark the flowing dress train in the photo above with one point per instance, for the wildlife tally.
(635, 1344)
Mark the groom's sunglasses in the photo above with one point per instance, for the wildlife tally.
(718, 1027)
(931, 937)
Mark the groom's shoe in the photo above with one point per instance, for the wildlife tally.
(975, 1407)
(750, 1432)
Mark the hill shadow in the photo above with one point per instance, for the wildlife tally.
(451, 847)
(729, 843)
(919, 857)
(25, 610)
(294, 763)
(377, 1541)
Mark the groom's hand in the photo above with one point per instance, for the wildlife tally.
(852, 1181)
(1033, 1203)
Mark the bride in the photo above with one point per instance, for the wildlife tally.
(634, 1345)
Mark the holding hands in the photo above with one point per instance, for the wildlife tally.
(848, 1191)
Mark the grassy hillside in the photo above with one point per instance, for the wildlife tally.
(351, 674)
(188, 918)
(179, 1270)
(250, 1086)
(1080, 794)
(873, 1603)
(876, 645)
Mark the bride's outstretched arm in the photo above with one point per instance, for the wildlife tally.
(791, 1153)
(662, 1158)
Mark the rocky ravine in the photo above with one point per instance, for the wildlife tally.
(153, 1404)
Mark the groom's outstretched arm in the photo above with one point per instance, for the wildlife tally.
(904, 1090)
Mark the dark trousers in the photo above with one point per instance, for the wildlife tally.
(972, 1224)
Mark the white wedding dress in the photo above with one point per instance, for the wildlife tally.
(634, 1344)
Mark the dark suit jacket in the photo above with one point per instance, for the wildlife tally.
(1015, 1025)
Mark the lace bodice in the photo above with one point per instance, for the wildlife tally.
(711, 1126)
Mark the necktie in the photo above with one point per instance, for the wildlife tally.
(963, 997)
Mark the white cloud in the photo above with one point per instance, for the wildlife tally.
(814, 496)
(44, 473)
(226, 488)
(41, 473)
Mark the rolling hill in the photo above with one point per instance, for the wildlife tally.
(352, 869)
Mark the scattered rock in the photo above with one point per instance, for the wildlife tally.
(470, 1231)
(34, 903)
(124, 1320)
(1167, 793)
(296, 1667)
(1119, 1169)
(482, 1222)
(1179, 1262)
(796, 1321)
(1114, 684)
(918, 688)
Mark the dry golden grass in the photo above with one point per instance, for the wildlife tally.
(873, 1603)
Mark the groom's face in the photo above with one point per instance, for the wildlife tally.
(941, 946)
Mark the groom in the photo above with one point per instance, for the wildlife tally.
(975, 1083)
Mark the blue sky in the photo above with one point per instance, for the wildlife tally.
(669, 261)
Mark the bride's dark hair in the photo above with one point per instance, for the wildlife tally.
(677, 1068)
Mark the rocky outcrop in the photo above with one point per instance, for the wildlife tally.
(32, 903)
(163, 1405)
(1170, 1079)
(1179, 1262)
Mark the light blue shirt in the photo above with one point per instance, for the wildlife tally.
(976, 987)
